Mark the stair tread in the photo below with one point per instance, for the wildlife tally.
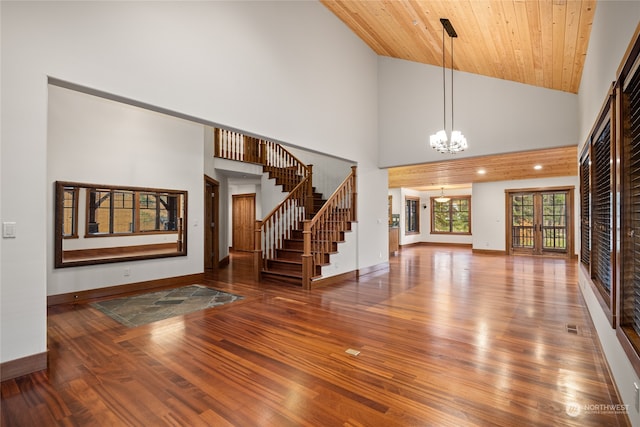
(286, 261)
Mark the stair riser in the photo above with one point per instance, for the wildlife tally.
(276, 266)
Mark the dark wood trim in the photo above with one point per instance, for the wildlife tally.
(211, 216)
(224, 262)
(432, 203)
(458, 245)
(570, 227)
(488, 252)
(119, 251)
(326, 281)
(383, 266)
(83, 296)
(23, 366)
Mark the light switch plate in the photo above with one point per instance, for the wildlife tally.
(9, 230)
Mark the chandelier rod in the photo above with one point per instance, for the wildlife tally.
(444, 86)
(452, 125)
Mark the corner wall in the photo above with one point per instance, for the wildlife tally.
(291, 72)
(613, 27)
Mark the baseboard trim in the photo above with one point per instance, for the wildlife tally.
(383, 266)
(488, 252)
(457, 245)
(223, 262)
(326, 281)
(82, 296)
(23, 366)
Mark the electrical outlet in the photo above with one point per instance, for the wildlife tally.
(127, 271)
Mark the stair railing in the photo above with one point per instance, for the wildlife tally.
(272, 156)
(277, 226)
(320, 232)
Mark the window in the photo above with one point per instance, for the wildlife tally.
(116, 211)
(70, 212)
(412, 215)
(452, 217)
(158, 212)
(110, 212)
(151, 220)
(629, 108)
(585, 211)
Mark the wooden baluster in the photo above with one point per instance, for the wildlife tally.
(309, 190)
(257, 250)
(216, 142)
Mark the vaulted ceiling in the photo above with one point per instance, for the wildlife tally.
(536, 42)
(541, 43)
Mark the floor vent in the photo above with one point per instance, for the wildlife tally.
(572, 329)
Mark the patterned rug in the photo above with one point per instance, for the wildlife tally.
(146, 308)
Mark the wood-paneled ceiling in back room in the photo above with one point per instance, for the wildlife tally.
(540, 43)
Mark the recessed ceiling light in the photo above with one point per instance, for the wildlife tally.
(537, 167)
(482, 171)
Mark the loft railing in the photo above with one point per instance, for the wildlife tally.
(275, 159)
(322, 231)
(277, 226)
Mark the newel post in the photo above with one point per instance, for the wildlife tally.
(308, 203)
(257, 250)
(307, 257)
(354, 194)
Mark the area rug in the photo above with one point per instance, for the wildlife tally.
(150, 307)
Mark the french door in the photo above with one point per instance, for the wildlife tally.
(540, 222)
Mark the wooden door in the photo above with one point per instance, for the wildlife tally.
(211, 229)
(244, 218)
(540, 222)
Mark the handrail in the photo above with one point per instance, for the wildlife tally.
(273, 156)
(323, 230)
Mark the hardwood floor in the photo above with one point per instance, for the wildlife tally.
(446, 338)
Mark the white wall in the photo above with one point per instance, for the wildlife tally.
(613, 27)
(496, 116)
(95, 140)
(298, 75)
(328, 172)
(488, 209)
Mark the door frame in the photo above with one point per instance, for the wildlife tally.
(211, 223)
(570, 219)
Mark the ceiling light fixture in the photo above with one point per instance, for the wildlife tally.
(537, 167)
(439, 141)
(442, 198)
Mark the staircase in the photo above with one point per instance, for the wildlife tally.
(287, 266)
(295, 240)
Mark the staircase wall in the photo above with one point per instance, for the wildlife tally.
(346, 259)
(328, 171)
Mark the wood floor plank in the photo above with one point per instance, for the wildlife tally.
(445, 337)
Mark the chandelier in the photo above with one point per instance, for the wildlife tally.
(442, 198)
(439, 141)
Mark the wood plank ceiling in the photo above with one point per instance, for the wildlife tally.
(461, 172)
(541, 43)
(536, 42)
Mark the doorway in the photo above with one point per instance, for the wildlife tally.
(244, 218)
(211, 218)
(540, 222)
